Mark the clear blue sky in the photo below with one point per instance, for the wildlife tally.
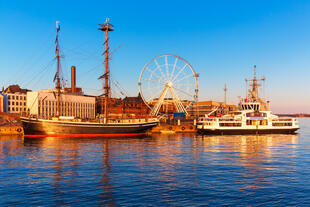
(221, 39)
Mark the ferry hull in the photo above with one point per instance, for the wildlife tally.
(246, 131)
(41, 127)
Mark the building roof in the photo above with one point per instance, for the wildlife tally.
(15, 89)
(136, 99)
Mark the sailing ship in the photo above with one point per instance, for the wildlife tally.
(71, 126)
(253, 117)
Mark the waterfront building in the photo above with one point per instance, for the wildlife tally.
(133, 106)
(43, 103)
(2, 102)
(215, 108)
(15, 100)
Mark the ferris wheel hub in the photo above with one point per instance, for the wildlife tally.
(169, 84)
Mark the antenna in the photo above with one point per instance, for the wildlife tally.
(225, 94)
(253, 86)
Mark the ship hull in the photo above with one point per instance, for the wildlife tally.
(247, 131)
(49, 127)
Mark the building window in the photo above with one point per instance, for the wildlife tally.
(16, 97)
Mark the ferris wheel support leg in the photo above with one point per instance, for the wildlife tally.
(180, 107)
(159, 103)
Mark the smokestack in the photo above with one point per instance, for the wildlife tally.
(73, 79)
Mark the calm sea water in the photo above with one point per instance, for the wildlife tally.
(161, 170)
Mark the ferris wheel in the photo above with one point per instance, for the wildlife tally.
(168, 79)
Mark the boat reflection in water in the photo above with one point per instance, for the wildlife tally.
(157, 169)
(10, 145)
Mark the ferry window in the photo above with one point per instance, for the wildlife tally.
(250, 122)
(230, 124)
(256, 114)
(263, 122)
(282, 124)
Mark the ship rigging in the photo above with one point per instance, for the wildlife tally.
(62, 125)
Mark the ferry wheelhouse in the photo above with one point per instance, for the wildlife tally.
(253, 117)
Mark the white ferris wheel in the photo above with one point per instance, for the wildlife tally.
(168, 78)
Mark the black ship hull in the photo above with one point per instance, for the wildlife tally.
(247, 131)
(49, 127)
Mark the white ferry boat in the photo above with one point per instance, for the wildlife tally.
(253, 117)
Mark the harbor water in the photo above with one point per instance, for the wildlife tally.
(158, 170)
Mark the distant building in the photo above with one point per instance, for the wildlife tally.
(15, 100)
(214, 108)
(125, 106)
(43, 104)
(2, 109)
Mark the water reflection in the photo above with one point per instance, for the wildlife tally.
(10, 145)
(158, 168)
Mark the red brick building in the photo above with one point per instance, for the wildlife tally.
(126, 106)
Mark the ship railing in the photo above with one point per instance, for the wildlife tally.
(133, 120)
(227, 120)
(282, 119)
(206, 119)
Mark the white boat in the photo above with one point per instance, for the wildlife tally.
(253, 117)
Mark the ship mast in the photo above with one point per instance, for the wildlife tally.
(254, 84)
(106, 27)
(57, 78)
